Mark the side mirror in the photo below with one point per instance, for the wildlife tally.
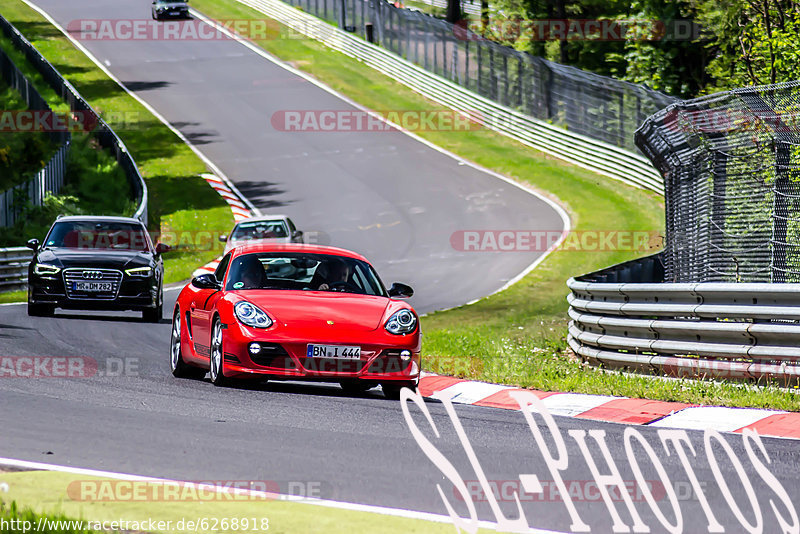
(223, 238)
(33, 244)
(297, 235)
(401, 291)
(162, 248)
(206, 281)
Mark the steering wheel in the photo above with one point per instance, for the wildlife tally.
(344, 287)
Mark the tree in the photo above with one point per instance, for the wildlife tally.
(755, 42)
(664, 49)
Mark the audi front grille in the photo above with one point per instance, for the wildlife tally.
(75, 275)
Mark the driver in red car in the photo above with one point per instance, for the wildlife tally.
(338, 271)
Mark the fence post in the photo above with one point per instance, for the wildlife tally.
(780, 211)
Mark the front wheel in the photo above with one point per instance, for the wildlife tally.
(40, 310)
(180, 369)
(154, 315)
(217, 355)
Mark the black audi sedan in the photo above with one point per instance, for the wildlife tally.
(96, 263)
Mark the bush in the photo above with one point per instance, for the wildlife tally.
(22, 155)
(95, 185)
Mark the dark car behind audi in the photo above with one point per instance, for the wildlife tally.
(96, 263)
(170, 9)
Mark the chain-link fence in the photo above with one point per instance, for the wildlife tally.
(731, 167)
(582, 102)
(51, 177)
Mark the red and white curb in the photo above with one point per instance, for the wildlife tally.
(238, 208)
(240, 211)
(618, 409)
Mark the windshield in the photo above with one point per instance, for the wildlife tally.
(302, 271)
(98, 235)
(260, 230)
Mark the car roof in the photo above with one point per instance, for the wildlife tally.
(262, 218)
(97, 218)
(296, 247)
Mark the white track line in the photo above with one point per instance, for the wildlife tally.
(353, 507)
(211, 165)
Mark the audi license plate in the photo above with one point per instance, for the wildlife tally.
(338, 352)
(93, 287)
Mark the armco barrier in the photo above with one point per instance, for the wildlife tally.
(14, 268)
(105, 136)
(590, 154)
(626, 317)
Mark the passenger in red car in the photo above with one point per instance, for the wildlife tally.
(249, 271)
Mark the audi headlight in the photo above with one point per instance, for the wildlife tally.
(402, 322)
(44, 269)
(142, 272)
(251, 315)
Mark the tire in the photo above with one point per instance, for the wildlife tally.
(40, 310)
(154, 315)
(217, 363)
(391, 390)
(356, 387)
(180, 369)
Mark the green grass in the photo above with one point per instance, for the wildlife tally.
(47, 493)
(13, 296)
(180, 200)
(517, 336)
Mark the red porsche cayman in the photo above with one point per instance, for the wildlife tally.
(296, 312)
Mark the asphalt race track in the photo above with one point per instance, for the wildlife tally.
(132, 416)
(383, 194)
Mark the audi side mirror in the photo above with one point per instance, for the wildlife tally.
(206, 281)
(400, 291)
(223, 238)
(161, 248)
(33, 244)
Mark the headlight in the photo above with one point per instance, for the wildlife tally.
(402, 322)
(251, 315)
(43, 268)
(142, 272)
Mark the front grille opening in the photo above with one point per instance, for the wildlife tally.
(389, 361)
(111, 278)
(273, 355)
(330, 365)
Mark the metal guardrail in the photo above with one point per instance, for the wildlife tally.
(105, 135)
(579, 150)
(14, 268)
(625, 317)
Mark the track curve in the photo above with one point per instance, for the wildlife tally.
(134, 417)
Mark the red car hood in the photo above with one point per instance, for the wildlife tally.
(314, 309)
